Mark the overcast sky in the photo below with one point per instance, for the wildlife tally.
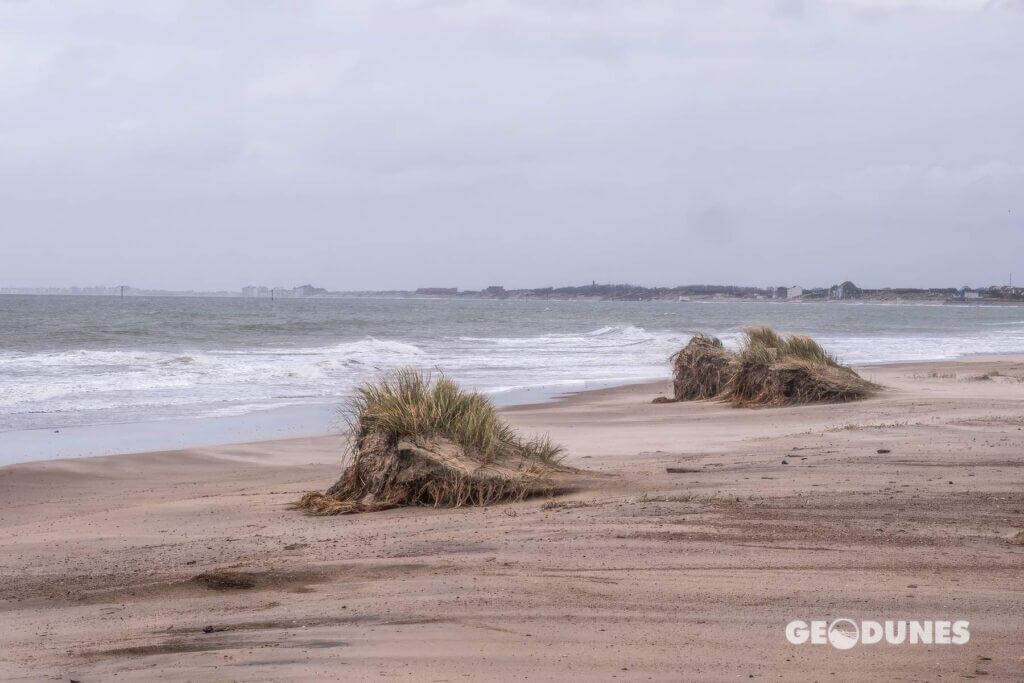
(366, 145)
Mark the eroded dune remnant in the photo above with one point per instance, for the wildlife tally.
(769, 369)
(423, 441)
(700, 369)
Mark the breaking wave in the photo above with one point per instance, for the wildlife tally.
(83, 386)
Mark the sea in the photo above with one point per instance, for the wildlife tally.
(84, 375)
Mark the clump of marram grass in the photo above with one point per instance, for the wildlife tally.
(423, 441)
(773, 370)
(769, 369)
(766, 340)
(701, 369)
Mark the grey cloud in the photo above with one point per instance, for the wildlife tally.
(389, 144)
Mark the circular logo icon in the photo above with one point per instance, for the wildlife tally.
(843, 634)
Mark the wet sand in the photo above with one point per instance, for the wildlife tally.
(898, 507)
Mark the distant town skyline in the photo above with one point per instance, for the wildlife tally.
(840, 290)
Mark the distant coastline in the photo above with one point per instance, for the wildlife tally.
(846, 291)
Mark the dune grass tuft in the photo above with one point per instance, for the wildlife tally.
(762, 342)
(418, 440)
(409, 403)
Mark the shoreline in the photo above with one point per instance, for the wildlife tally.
(45, 444)
(288, 422)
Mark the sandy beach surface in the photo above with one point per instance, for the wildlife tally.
(898, 507)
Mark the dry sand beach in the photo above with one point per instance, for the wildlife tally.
(897, 507)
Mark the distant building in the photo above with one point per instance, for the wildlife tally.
(250, 291)
(309, 290)
(972, 294)
(846, 290)
(794, 292)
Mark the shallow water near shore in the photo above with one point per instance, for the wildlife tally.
(286, 422)
(243, 369)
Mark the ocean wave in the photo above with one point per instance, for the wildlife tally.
(148, 383)
(609, 336)
(85, 379)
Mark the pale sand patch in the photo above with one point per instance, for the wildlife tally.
(641, 574)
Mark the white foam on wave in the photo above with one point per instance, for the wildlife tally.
(604, 337)
(96, 380)
(39, 389)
